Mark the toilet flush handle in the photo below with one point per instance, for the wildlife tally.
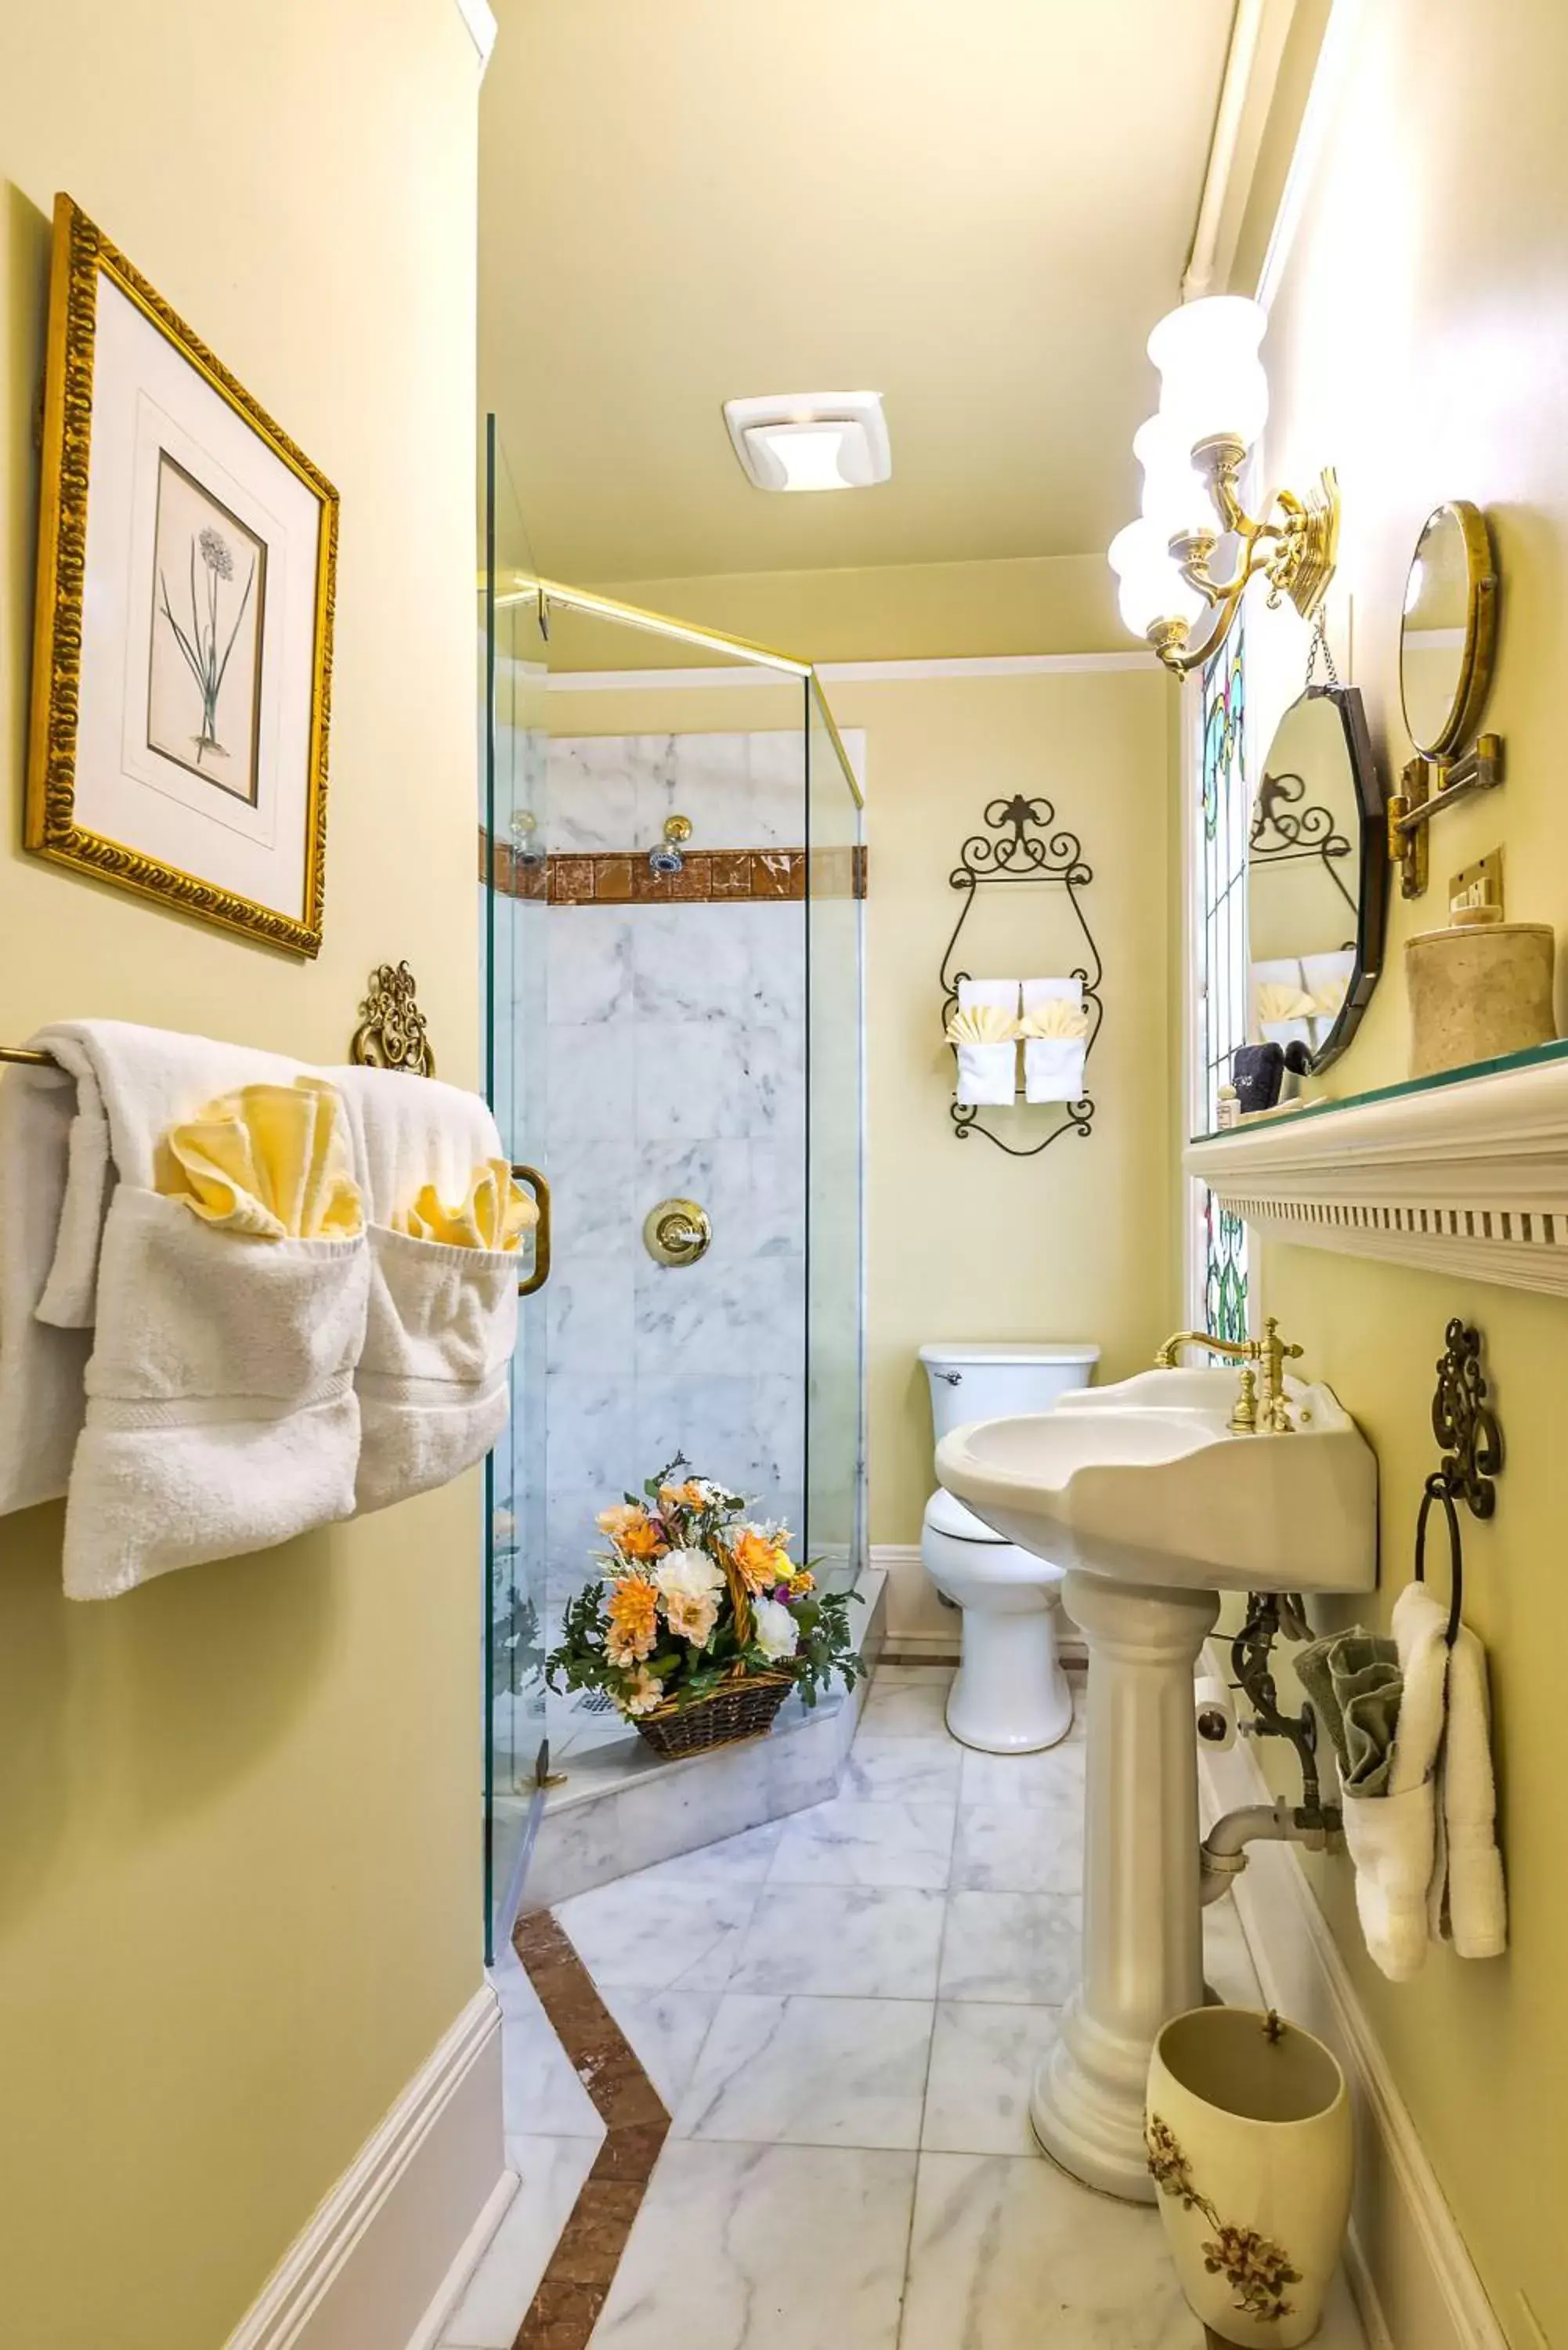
(954, 1378)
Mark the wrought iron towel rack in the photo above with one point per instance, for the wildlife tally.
(1025, 846)
(1464, 1425)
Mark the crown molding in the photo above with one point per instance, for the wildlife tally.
(480, 19)
(865, 672)
(1467, 1174)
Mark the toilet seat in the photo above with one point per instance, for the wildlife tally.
(946, 1514)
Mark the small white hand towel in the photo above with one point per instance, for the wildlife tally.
(1037, 992)
(1000, 993)
(1392, 1838)
(443, 1322)
(219, 1410)
(1468, 1902)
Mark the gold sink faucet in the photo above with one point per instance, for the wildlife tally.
(1270, 1350)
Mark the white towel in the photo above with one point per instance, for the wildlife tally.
(1467, 1901)
(443, 1321)
(1002, 993)
(1037, 992)
(219, 1409)
(1393, 1838)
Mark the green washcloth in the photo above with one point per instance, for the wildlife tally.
(1353, 1679)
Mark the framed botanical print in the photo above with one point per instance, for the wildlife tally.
(183, 650)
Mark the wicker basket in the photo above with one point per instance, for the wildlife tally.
(742, 1709)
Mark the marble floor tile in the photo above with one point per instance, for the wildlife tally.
(1228, 1967)
(550, 2171)
(983, 2061)
(659, 1937)
(902, 1770)
(811, 2072)
(542, 2095)
(764, 2248)
(1038, 1780)
(1021, 1847)
(1006, 2253)
(666, 2030)
(852, 1841)
(1017, 1948)
(842, 1943)
(906, 1708)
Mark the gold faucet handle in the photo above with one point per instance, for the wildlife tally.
(1243, 1421)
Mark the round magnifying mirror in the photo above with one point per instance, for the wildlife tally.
(1318, 866)
(1446, 639)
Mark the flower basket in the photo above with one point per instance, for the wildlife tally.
(725, 1717)
(699, 1624)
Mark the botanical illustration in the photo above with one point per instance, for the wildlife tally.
(1257, 2271)
(204, 698)
(694, 1597)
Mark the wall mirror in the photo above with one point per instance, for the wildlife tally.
(1448, 636)
(1317, 870)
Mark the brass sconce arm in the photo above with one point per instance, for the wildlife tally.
(1293, 545)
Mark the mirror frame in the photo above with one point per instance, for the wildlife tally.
(1478, 657)
(1371, 907)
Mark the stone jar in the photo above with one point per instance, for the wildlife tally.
(1249, 2134)
(1477, 993)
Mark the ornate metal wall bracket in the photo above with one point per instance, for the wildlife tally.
(392, 1033)
(1023, 845)
(1286, 827)
(1270, 1614)
(1466, 1427)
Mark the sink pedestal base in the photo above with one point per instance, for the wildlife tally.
(1143, 1943)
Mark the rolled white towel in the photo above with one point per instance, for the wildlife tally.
(1001, 995)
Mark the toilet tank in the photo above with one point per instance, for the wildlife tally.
(976, 1381)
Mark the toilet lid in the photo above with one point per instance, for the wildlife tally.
(946, 1514)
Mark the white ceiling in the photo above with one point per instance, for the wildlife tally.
(977, 207)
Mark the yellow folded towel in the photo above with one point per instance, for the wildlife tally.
(982, 1024)
(1330, 998)
(495, 1214)
(1278, 1000)
(273, 1163)
(1057, 1015)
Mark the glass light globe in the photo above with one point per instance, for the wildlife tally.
(1211, 380)
(1174, 497)
(1151, 588)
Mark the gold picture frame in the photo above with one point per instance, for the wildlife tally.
(93, 773)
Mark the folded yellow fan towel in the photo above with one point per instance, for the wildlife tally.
(273, 1163)
(1056, 1016)
(1278, 1000)
(495, 1214)
(982, 1024)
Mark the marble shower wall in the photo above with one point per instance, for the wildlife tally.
(676, 1052)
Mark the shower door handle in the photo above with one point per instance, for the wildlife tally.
(541, 1190)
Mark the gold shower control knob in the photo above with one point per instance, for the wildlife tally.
(677, 1231)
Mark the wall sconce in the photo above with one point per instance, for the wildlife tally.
(1213, 399)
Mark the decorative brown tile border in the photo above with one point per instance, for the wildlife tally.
(707, 877)
(575, 2285)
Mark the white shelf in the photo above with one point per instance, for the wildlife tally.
(1464, 1173)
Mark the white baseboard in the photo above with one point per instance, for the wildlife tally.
(386, 2257)
(920, 1624)
(1411, 2274)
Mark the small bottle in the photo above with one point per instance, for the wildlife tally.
(1229, 1112)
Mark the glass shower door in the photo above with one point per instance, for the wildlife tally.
(513, 882)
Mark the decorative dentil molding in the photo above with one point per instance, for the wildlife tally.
(1467, 1175)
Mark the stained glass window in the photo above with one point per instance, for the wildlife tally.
(1220, 835)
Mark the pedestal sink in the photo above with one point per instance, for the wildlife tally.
(1154, 1507)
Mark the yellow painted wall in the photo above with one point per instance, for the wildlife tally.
(1418, 343)
(962, 1240)
(239, 1884)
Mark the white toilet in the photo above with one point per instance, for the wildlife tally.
(1010, 1695)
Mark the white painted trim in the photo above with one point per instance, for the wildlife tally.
(1469, 1178)
(480, 19)
(1410, 2271)
(383, 2258)
(869, 672)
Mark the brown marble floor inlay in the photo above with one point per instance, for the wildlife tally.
(574, 2287)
